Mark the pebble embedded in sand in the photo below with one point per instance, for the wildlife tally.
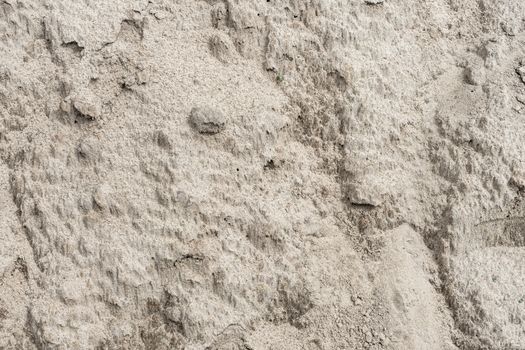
(207, 120)
(87, 103)
(373, 2)
(101, 195)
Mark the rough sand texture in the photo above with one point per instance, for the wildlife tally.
(245, 175)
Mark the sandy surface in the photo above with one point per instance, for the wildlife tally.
(245, 175)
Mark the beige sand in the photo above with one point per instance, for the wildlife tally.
(280, 174)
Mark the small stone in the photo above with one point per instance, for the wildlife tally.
(207, 120)
(373, 2)
(65, 106)
(368, 336)
(87, 103)
(101, 196)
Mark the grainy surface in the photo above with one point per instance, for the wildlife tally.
(354, 180)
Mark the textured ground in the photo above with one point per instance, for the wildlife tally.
(248, 174)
